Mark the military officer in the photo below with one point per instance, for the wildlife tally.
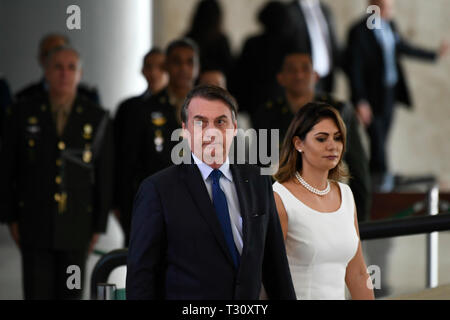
(157, 78)
(55, 180)
(298, 79)
(148, 135)
(40, 88)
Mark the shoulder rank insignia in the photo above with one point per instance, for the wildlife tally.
(158, 119)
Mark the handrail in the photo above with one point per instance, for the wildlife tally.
(105, 266)
(367, 230)
(404, 227)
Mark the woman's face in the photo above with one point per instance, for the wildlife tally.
(322, 146)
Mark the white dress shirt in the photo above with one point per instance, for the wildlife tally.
(227, 185)
(318, 33)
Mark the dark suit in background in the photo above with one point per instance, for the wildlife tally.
(254, 80)
(177, 248)
(57, 188)
(366, 65)
(303, 38)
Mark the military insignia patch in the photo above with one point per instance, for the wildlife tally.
(33, 120)
(87, 131)
(33, 129)
(159, 140)
(87, 156)
(158, 119)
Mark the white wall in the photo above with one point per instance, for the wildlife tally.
(113, 39)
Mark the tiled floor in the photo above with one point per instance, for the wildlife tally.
(404, 272)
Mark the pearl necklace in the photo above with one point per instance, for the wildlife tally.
(311, 188)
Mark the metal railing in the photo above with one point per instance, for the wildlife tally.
(430, 224)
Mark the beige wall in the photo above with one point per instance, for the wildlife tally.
(420, 140)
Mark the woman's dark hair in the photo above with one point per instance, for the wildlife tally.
(211, 93)
(304, 120)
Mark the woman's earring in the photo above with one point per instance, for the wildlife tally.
(299, 150)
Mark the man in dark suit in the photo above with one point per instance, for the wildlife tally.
(315, 34)
(377, 81)
(207, 229)
(40, 88)
(55, 179)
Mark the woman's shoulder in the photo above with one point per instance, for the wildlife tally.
(280, 188)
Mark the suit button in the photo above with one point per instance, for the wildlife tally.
(61, 145)
(31, 143)
(58, 179)
(57, 197)
(58, 162)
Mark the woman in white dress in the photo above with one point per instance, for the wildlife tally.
(317, 213)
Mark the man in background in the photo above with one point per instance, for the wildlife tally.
(56, 170)
(47, 44)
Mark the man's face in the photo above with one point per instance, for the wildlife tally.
(154, 72)
(63, 72)
(210, 129)
(182, 67)
(297, 75)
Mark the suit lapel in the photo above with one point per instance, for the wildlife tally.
(196, 187)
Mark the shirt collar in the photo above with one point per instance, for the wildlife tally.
(206, 170)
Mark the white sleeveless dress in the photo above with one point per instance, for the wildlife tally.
(319, 245)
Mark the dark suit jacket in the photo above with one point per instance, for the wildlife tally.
(302, 34)
(365, 66)
(177, 248)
